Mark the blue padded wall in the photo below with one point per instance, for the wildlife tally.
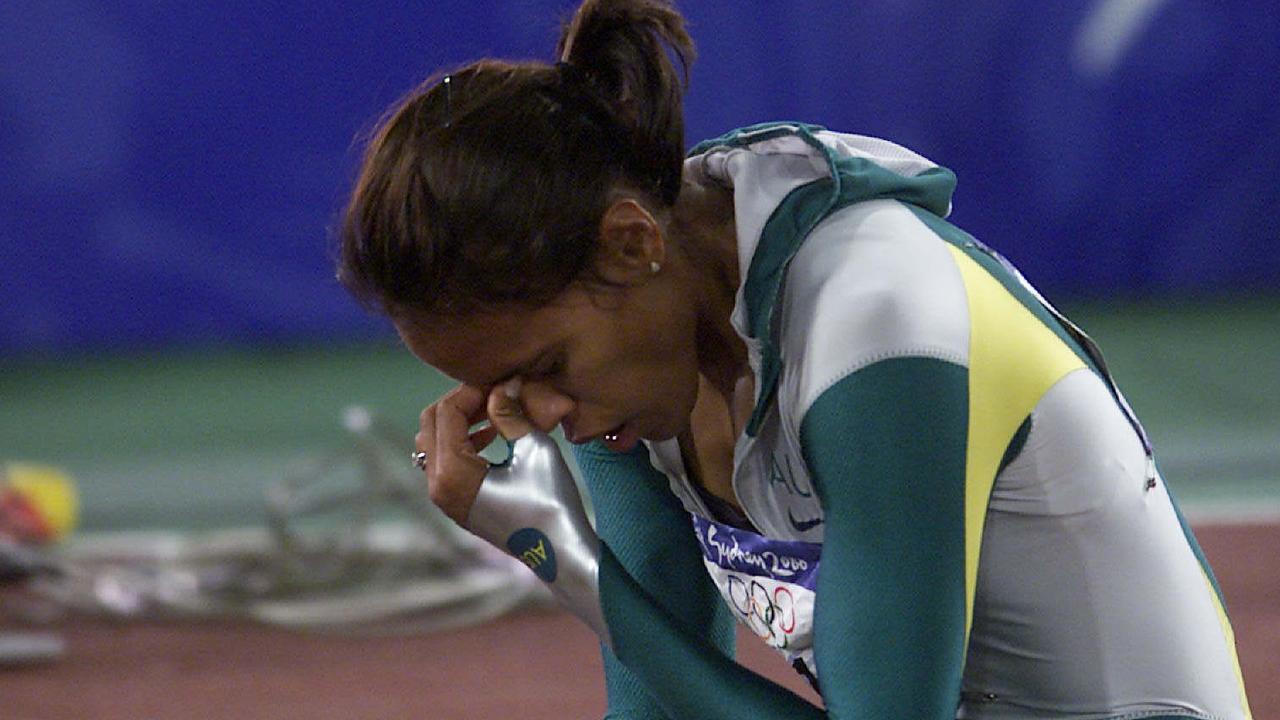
(171, 172)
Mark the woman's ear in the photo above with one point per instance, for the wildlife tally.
(632, 245)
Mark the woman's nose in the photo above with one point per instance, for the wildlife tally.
(544, 405)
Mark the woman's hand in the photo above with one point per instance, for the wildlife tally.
(455, 468)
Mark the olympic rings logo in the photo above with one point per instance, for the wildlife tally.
(770, 615)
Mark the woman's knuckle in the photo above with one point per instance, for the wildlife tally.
(439, 488)
(437, 494)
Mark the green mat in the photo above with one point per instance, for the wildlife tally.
(187, 439)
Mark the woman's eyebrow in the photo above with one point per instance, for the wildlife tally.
(532, 365)
(521, 369)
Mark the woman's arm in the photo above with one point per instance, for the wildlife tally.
(886, 446)
(671, 639)
(650, 536)
(890, 619)
(661, 617)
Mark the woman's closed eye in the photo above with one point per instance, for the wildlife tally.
(547, 370)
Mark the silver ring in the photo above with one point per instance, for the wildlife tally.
(419, 460)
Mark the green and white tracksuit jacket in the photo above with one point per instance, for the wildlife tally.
(950, 510)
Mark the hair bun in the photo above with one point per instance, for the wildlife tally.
(635, 55)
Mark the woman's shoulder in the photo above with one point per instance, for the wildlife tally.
(872, 282)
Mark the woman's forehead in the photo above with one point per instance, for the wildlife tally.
(479, 348)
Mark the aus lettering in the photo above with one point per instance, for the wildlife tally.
(786, 477)
(535, 550)
(534, 556)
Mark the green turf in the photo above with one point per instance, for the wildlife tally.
(188, 439)
(1205, 379)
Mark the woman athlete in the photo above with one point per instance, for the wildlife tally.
(799, 397)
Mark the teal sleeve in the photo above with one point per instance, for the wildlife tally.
(650, 536)
(672, 635)
(689, 678)
(886, 448)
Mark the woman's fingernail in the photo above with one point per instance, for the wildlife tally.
(511, 388)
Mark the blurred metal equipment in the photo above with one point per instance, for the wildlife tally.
(351, 544)
(19, 562)
(20, 565)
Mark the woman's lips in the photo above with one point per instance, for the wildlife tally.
(621, 439)
(569, 433)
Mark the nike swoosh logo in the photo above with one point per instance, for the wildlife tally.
(803, 525)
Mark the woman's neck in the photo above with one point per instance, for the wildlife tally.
(704, 220)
